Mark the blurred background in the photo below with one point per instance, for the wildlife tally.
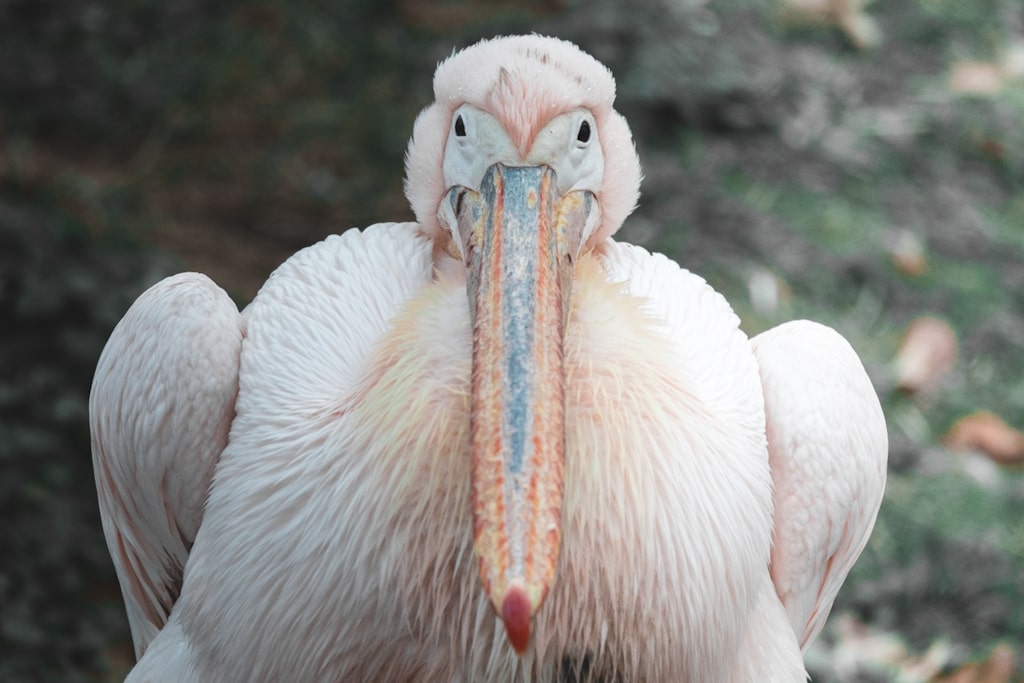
(861, 164)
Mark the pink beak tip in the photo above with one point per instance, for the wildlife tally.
(515, 612)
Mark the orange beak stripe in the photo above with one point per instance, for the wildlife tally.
(518, 433)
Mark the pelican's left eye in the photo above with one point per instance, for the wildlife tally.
(571, 144)
(583, 135)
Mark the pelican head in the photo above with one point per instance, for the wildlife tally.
(519, 165)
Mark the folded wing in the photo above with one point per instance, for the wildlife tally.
(160, 410)
(828, 449)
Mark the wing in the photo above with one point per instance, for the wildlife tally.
(828, 448)
(161, 405)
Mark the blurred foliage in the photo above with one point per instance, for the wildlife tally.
(139, 137)
(59, 296)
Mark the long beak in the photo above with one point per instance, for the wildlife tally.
(520, 241)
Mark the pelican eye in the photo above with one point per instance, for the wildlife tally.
(460, 126)
(583, 136)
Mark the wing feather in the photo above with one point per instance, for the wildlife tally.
(160, 410)
(828, 449)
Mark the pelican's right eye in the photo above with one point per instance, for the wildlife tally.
(476, 141)
(583, 136)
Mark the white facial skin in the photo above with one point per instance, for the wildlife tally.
(568, 144)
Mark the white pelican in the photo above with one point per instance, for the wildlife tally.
(490, 445)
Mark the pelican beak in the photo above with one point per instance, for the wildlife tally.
(519, 239)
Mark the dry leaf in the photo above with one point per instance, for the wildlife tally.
(1012, 62)
(907, 252)
(862, 648)
(861, 29)
(814, 11)
(766, 290)
(988, 433)
(976, 78)
(927, 352)
(848, 15)
(998, 667)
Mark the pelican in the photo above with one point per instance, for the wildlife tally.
(492, 444)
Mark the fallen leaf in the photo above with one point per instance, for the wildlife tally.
(817, 11)
(860, 648)
(927, 352)
(847, 15)
(766, 291)
(998, 667)
(861, 29)
(976, 78)
(1012, 62)
(907, 252)
(988, 433)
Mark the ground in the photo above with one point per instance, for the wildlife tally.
(858, 165)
